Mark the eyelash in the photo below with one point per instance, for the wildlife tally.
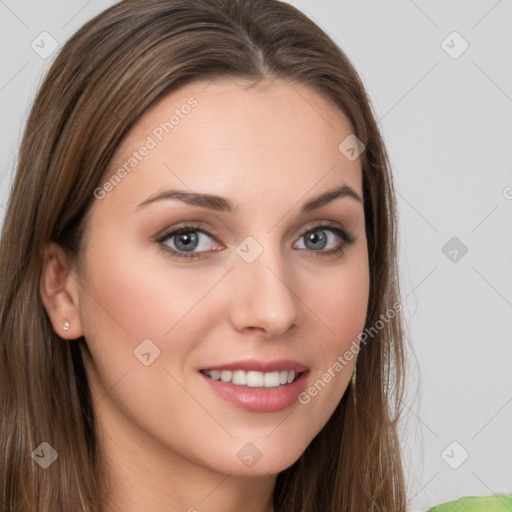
(346, 237)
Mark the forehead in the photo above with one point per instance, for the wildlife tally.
(219, 136)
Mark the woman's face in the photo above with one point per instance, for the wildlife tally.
(250, 293)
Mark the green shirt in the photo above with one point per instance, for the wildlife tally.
(495, 503)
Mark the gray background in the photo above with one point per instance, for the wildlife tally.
(448, 128)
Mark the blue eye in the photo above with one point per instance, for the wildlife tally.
(186, 240)
(318, 238)
(192, 241)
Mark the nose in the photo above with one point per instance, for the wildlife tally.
(263, 298)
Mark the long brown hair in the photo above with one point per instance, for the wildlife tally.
(105, 77)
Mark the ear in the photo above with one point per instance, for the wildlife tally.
(59, 293)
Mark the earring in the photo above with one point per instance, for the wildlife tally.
(66, 326)
(354, 384)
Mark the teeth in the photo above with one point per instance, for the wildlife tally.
(239, 378)
(253, 379)
(226, 376)
(271, 380)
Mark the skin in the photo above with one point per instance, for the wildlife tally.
(171, 443)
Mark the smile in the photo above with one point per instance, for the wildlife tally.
(253, 379)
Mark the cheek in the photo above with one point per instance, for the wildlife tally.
(344, 306)
(132, 295)
(341, 300)
(127, 293)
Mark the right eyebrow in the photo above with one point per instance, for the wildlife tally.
(221, 204)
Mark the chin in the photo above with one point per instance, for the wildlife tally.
(267, 459)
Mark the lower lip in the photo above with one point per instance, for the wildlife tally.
(259, 399)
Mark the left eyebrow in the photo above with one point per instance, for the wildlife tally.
(330, 195)
(222, 204)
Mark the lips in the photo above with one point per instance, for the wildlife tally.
(260, 366)
(258, 386)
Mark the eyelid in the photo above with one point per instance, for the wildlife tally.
(184, 228)
(196, 225)
(346, 237)
(337, 227)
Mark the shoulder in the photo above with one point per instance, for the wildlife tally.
(495, 503)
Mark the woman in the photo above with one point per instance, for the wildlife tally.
(199, 246)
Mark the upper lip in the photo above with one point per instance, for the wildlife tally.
(260, 366)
